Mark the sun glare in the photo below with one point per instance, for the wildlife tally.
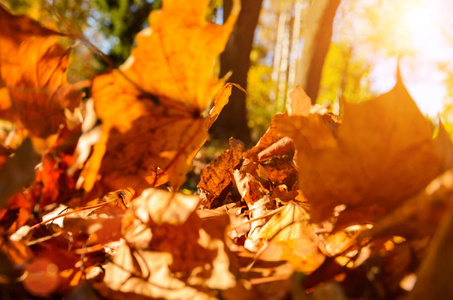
(419, 25)
(419, 40)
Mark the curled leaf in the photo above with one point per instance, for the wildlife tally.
(217, 176)
(169, 254)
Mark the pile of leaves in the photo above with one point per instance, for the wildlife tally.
(323, 207)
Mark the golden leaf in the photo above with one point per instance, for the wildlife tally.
(151, 107)
(33, 85)
(382, 154)
(292, 238)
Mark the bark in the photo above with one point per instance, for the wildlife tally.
(317, 37)
(232, 122)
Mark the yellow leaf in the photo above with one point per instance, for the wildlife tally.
(151, 107)
(292, 238)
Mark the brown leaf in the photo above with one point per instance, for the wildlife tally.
(282, 146)
(250, 189)
(18, 171)
(383, 153)
(268, 139)
(157, 177)
(437, 266)
(95, 229)
(67, 266)
(281, 171)
(217, 176)
(426, 207)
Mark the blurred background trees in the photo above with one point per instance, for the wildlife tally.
(236, 59)
(333, 48)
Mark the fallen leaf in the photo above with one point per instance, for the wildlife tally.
(18, 171)
(33, 75)
(270, 137)
(15, 30)
(66, 267)
(259, 204)
(217, 176)
(298, 103)
(157, 178)
(168, 253)
(292, 238)
(151, 107)
(426, 207)
(95, 229)
(381, 154)
(282, 146)
(281, 171)
(437, 264)
(250, 189)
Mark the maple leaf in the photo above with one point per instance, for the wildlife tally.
(151, 107)
(426, 207)
(33, 86)
(168, 252)
(381, 154)
(15, 30)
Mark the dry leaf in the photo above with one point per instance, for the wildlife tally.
(437, 266)
(382, 154)
(33, 76)
(18, 171)
(291, 237)
(268, 139)
(298, 103)
(15, 30)
(151, 109)
(217, 176)
(169, 254)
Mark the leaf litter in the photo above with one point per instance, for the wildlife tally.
(322, 207)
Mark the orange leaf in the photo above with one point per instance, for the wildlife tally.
(33, 76)
(15, 30)
(292, 238)
(151, 109)
(382, 154)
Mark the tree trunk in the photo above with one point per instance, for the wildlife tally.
(236, 58)
(317, 37)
